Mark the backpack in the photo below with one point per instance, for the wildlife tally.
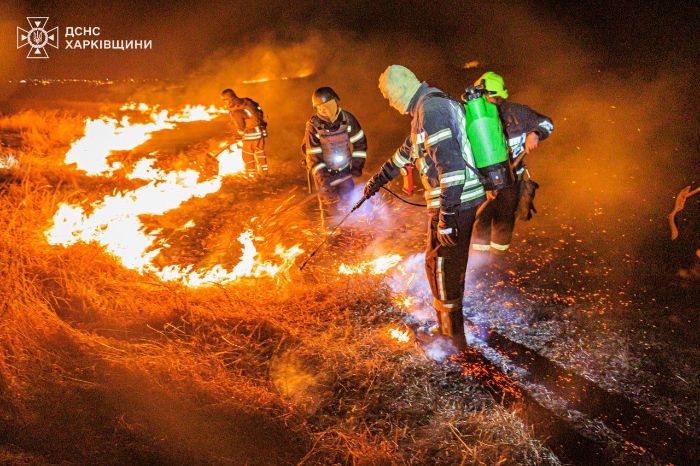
(256, 110)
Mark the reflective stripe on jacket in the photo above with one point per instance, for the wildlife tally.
(439, 148)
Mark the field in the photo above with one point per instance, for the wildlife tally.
(104, 359)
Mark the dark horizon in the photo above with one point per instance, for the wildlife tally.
(631, 37)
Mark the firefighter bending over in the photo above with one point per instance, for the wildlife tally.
(524, 129)
(439, 149)
(335, 147)
(250, 131)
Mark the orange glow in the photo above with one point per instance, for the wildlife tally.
(405, 301)
(231, 160)
(114, 221)
(302, 75)
(105, 135)
(378, 266)
(401, 336)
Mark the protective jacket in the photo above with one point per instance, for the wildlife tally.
(439, 149)
(519, 120)
(336, 148)
(247, 119)
(493, 230)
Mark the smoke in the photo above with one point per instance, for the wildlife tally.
(618, 88)
(623, 142)
(439, 349)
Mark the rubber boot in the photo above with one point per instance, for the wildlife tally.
(451, 322)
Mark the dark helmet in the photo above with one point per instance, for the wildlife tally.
(323, 95)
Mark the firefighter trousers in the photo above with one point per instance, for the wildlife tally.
(495, 220)
(446, 268)
(254, 156)
(332, 190)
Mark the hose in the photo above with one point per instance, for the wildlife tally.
(402, 199)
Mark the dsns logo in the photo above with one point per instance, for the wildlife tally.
(37, 37)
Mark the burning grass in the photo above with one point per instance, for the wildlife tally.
(102, 364)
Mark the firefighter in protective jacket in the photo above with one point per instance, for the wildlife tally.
(250, 131)
(439, 149)
(334, 145)
(524, 129)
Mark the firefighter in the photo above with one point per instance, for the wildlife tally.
(250, 131)
(524, 129)
(439, 150)
(335, 147)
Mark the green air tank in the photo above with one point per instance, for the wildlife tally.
(487, 139)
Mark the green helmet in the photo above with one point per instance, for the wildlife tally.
(494, 84)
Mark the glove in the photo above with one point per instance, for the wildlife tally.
(356, 172)
(374, 184)
(447, 228)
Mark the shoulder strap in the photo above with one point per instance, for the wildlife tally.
(444, 95)
(255, 108)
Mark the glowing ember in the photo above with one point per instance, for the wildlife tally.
(400, 336)
(378, 266)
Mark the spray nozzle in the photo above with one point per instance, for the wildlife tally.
(359, 203)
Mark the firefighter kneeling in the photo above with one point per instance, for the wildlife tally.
(335, 147)
(439, 149)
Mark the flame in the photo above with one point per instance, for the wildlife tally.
(231, 160)
(405, 301)
(248, 266)
(105, 135)
(301, 75)
(134, 106)
(114, 221)
(378, 266)
(115, 224)
(401, 336)
(143, 170)
(188, 112)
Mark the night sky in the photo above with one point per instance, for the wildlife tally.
(634, 37)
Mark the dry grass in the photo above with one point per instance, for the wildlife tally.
(43, 130)
(101, 365)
